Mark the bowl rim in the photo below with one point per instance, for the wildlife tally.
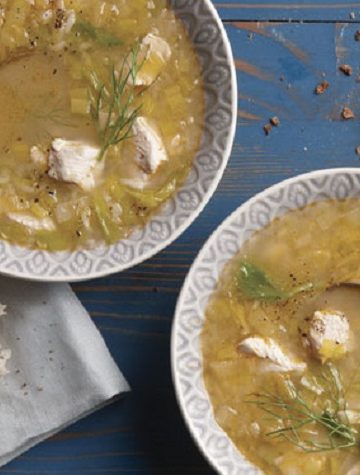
(188, 221)
(185, 287)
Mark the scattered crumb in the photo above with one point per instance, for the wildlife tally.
(357, 35)
(282, 78)
(321, 88)
(267, 129)
(357, 150)
(275, 121)
(40, 388)
(347, 113)
(346, 69)
(2, 310)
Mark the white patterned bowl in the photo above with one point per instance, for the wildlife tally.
(214, 50)
(201, 282)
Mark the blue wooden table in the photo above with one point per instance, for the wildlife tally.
(282, 50)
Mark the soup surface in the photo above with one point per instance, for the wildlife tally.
(280, 352)
(102, 110)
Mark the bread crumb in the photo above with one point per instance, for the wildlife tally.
(346, 69)
(267, 129)
(322, 87)
(275, 121)
(347, 113)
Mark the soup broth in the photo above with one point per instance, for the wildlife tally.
(280, 352)
(102, 110)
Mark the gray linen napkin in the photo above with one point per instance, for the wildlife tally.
(60, 369)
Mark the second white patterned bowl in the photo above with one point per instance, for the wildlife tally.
(201, 282)
(213, 48)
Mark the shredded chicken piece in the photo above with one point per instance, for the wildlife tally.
(328, 334)
(156, 53)
(150, 149)
(75, 162)
(37, 155)
(268, 349)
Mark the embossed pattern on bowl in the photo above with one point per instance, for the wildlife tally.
(210, 40)
(201, 282)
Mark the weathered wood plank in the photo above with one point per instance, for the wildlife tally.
(278, 66)
(306, 10)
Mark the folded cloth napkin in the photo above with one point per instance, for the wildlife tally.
(54, 365)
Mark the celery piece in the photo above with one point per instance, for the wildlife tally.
(80, 106)
(152, 199)
(108, 227)
(80, 101)
(39, 211)
(52, 240)
(117, 190)
(79, 93)
(98, 34)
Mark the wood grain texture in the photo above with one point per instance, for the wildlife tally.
(278, 67)
(295, 10)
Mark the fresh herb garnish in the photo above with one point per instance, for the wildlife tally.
(294, 415)
(113, 107)
(255, 284)
(96, 33)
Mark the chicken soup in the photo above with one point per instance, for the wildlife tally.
(280, 343)
(102, 110)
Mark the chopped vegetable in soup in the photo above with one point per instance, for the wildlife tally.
(281, 359)
(102, 110)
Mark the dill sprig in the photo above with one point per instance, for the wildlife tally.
(294, 414)
(112, 107)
